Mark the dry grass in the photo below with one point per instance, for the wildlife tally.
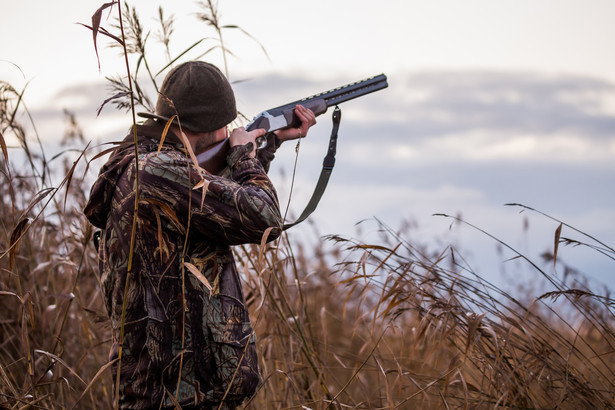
(341, 324)
(391, 326)
(53, 328)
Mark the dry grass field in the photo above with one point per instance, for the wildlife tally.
(340, 323)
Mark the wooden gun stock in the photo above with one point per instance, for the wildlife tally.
(213, 159)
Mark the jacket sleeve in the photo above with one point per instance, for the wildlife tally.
(233, 211)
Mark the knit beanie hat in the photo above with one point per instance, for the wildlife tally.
(199, 94)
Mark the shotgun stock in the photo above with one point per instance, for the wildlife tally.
(213, 159)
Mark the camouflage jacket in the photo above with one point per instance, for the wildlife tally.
(179, 338)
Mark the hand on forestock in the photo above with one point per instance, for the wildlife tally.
(307, 118)
(239, 136)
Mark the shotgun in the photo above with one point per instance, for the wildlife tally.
(214, 158)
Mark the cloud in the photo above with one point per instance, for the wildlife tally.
(518, 102)
(477, 116)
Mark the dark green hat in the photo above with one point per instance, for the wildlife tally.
(199, 94)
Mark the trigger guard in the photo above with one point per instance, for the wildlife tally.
(261, 142)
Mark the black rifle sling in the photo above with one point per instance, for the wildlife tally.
(325, 173)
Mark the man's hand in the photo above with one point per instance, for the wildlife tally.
(239, 136)
(307, 118)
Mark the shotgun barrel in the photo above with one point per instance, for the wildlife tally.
(283, 116)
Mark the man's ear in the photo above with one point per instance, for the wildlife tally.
(221, 133)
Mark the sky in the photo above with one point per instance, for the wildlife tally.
(489, 103)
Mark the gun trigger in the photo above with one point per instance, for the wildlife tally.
(261, 142)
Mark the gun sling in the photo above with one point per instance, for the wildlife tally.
(325, 173)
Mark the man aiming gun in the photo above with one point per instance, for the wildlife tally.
(175, 339)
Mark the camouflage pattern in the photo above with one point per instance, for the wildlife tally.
(181, 341)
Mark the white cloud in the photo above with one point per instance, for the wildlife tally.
(485, 147)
